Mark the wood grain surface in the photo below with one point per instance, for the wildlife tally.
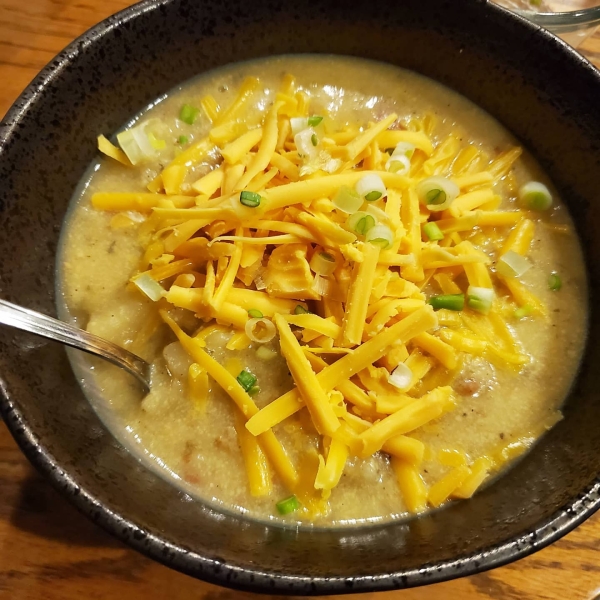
(49, 551)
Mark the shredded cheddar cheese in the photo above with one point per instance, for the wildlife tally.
(263, 238)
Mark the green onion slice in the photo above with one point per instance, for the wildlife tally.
(404, 149)
(135, 152)
(251, 199)
(360, 222)
(298, 124)
(188, 114)
(182, 139)
(380, 235)
(433, 232)
(322, 263)
(554, 282)
(260, 330)
(305, 145)
(372, 196)
(535, 196)
(480, 299)
(287, 506)
(398, 164)
(399, 161)
(254, 313)
(253, 390)
(150, 287)
(136, 141)
(347, 200)
(401, 377)
(314, 120)
(435, 197)
(437, 193)
(371, 188)
(512, 264)
(246, 379)
(523, 312)
(449, 301)
(300, 310)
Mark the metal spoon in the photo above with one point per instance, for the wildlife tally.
(53, 329)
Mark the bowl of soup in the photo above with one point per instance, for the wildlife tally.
(358, 252)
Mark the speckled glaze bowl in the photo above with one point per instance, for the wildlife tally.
(534, 84)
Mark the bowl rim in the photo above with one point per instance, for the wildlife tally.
(159, 548)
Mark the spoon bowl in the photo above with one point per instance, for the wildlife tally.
(53, 329)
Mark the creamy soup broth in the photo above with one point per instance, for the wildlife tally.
(198, 449)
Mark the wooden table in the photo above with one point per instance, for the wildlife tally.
(49, 551)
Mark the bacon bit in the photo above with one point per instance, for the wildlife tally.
(188, 451)
(192, 478)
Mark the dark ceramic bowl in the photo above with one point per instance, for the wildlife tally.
(532, 82)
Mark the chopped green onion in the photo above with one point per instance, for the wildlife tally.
(401, 377)
(398, 164)
(182, 139)
(360, 222)
(305, 145)
(380, 235)
(399, 161)
(298, 124)
(150, 287)
(254, 313)
(332, 165)
(322, 263)
(260, 330)
(251, 199)
(321, 285)
(156, 143)
(371, 187)
(131, 147)
(347, 200)
(433, 232)
(535, 196)
(287, 506)
(300, 310)
(314, 120)
(437, 193)
(449, 301)
(554, 282)
(435, 197)
(512, 264)
(188, 114)
(523, 312)
(253, 390)
(136, 142)
(480, 299)
(404, 149)
(314, 140)
(246, 379)
(372, 196)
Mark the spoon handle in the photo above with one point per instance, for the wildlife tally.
(53, 329)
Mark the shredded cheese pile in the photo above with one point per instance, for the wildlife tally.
(342, 332)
